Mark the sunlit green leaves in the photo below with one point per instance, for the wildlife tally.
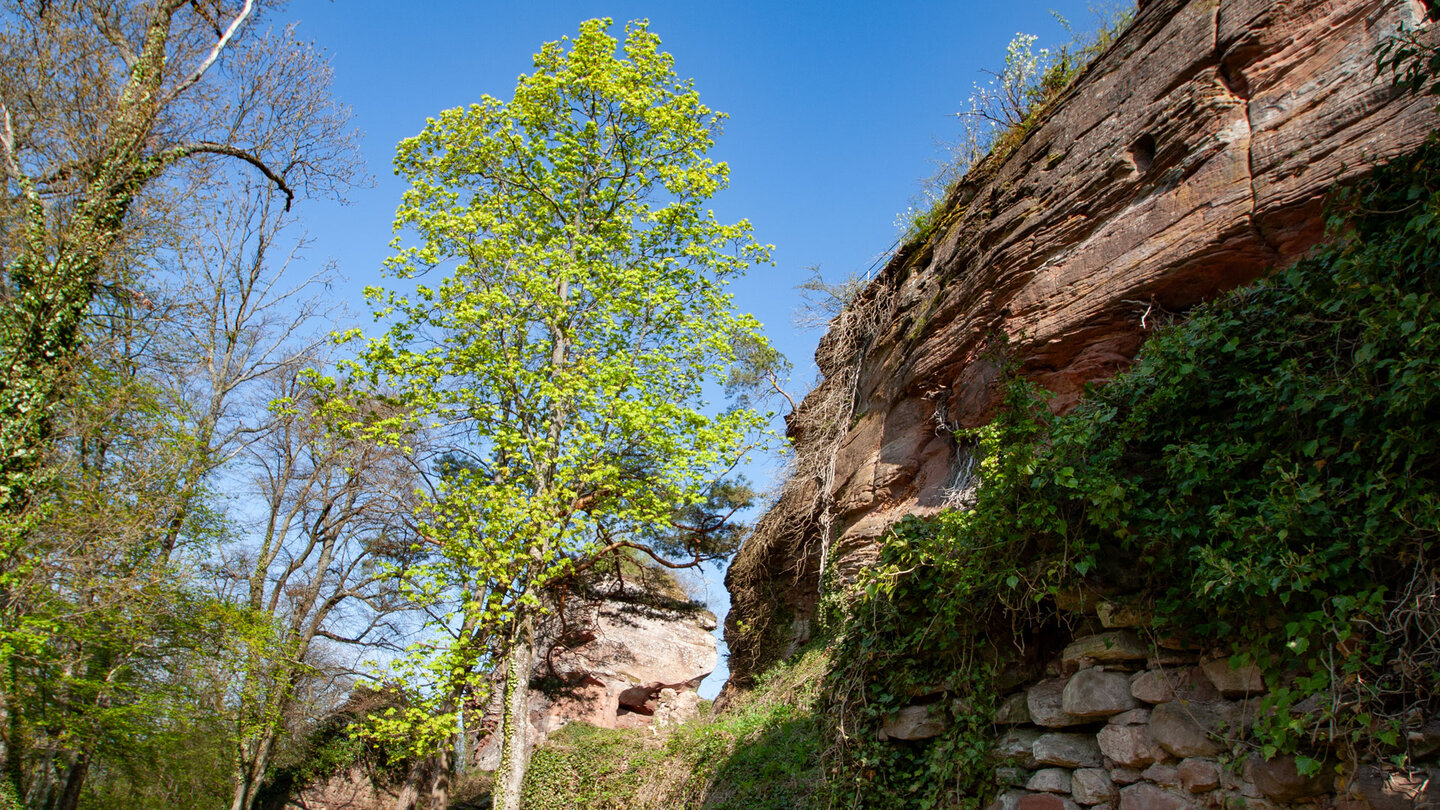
(566, 311)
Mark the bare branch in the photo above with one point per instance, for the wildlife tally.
(210, 147)
(209, 60)
(115, 37)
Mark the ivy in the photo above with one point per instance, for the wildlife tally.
(1264, 477)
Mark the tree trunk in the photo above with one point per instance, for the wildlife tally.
(74, 780)
(440, 778)
(515, 728)
(251, 772)
(409, 794)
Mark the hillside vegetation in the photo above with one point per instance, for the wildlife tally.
(1263, 480)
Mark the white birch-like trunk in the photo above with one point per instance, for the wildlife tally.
(515, 727)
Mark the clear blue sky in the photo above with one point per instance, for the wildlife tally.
(837, 112)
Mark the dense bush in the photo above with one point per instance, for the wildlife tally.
(1264, 477)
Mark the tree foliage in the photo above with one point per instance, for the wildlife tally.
(566, 351)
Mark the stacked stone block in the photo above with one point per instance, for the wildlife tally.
(1123, 725)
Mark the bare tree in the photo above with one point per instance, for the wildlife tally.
(335, 521)
(116, 118)
(105, 107)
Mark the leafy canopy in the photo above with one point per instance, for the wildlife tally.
(565, 353)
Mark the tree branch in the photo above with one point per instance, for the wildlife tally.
(210, 147)
(116, 38)
(209, 60)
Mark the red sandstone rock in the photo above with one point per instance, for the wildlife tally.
(1190, 158)
(1130, 746)
(1145, 796)
(1280, 779)
(1045, 801)
(1096, 693)
(1199, 775)
(632, 656)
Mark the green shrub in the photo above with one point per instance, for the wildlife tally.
(1266, 476)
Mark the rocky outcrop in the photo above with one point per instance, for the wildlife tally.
(1190, 158)
(630, 652)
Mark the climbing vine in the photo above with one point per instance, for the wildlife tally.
(1265, 479)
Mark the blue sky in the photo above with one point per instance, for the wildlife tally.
(838, 111)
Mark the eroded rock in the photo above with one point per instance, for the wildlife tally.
(1068, 750)
(1097, 693)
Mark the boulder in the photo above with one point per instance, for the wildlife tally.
(1068, 750)
(1097, 693)
(1046, 702)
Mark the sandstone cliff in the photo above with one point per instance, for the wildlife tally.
(1190, 158)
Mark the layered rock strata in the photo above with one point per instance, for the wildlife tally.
(629, 653)
(1190, 158)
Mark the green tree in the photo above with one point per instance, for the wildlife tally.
(565, 354)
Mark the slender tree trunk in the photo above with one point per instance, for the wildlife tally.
(409, 794)
(515, 728)
(252, 772)
(440, 778)
(74, 780)
(15, 736)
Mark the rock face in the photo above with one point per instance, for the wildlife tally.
(1190, 158)
(630, 654)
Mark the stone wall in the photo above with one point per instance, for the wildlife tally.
(1125, 724)
(1122, 722)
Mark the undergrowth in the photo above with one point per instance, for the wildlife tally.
(1265, 479)
(761, 754)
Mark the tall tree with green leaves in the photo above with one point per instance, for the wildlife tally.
(568, 351)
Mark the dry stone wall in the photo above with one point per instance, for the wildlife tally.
(1122, 722)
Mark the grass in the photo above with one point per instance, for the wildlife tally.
(763, 753)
